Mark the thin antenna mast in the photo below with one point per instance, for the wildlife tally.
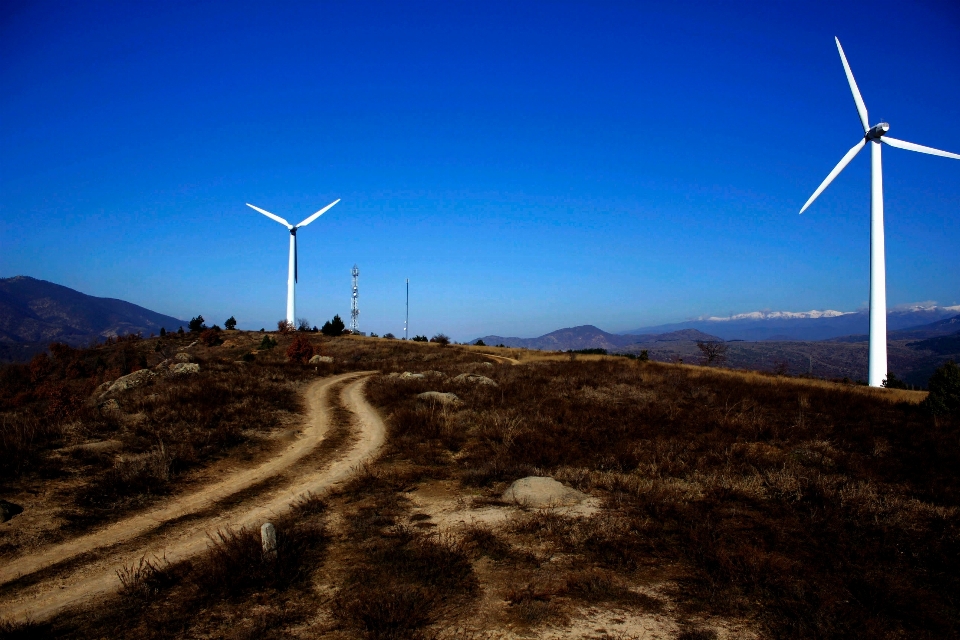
(406, 320)
(354, 310)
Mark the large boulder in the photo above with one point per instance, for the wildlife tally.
(318, 359)
(9, 510)
(474, 378)
(438, 397)
(538, 492)
(130, 381)
(184, 368)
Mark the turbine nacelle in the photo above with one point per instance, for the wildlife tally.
(876, 131)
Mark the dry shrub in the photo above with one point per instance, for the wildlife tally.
(402, 583)
(300, 350)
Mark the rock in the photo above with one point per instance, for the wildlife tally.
(9, 510)
(192, 344)
(393, 374)
(130, 381)
(484, 364)
(318, 359)
(184, 368)
(475, 379)
(438, 397)
(406, 375)
(183, 357)
(162, 366)
(434, 374)
(541, 493)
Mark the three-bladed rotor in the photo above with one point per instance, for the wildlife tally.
(292, 277)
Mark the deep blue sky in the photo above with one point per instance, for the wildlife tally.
(527, 167)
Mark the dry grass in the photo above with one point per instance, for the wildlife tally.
(807, 509)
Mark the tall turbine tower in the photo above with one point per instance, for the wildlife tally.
(292, 272)
(877, 368)
(354, 310)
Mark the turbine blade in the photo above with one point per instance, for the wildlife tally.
(861, 108)
(271, 216)
(909, 146)
(317, 214)
(836, 171)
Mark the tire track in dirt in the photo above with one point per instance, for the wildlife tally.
(98, 577)
(501, 359)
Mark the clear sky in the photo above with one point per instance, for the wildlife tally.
(528, 166)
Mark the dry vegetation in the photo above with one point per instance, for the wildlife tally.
(726, 505)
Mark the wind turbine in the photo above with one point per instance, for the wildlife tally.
(292, 274)
(877, 367)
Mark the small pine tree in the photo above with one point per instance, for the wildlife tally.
(944, 386)
(163, 332)
(480, 343)
(333, 328)
(180, 331)
(197, 325)
(230, 323)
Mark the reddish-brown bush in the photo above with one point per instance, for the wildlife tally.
(300, 349)
(210, 338)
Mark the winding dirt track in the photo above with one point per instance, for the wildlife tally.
(117, 545)
(501, 359)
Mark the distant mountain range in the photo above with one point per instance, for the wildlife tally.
(590, 337)
(34, 313)
(806, 325)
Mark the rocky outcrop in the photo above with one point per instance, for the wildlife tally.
(474, 378)
(321, 359)
(438, 397)
(183, 357)
(537, 492)
(184, 368)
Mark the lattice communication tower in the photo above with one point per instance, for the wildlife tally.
(354, 310)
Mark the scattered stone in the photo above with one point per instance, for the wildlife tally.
(268, 538)
(130, 381)
(192, 344)
(484, 364)
(162, 365)
(434, 374)
(183, 357)
(184, 368)
(393, 374)
(538, 492)
(438, 397)
(475, 379)
(9, 510)
(318, 359)
(406, 375)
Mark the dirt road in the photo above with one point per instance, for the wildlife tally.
(94, 558)
(500, 359)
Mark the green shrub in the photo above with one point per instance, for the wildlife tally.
(230, 323)
(944, 389)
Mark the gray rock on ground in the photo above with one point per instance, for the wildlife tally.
(406, 375)
(475, 379)
(9, 510)
(538, 492)
(183, 357)
(318, 359)
(438, 397)
(130, 381)
(434, 374)
(184, 368)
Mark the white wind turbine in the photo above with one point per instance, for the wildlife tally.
(877, 368)
(292, 274)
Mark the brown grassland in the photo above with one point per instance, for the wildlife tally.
(723, 504)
